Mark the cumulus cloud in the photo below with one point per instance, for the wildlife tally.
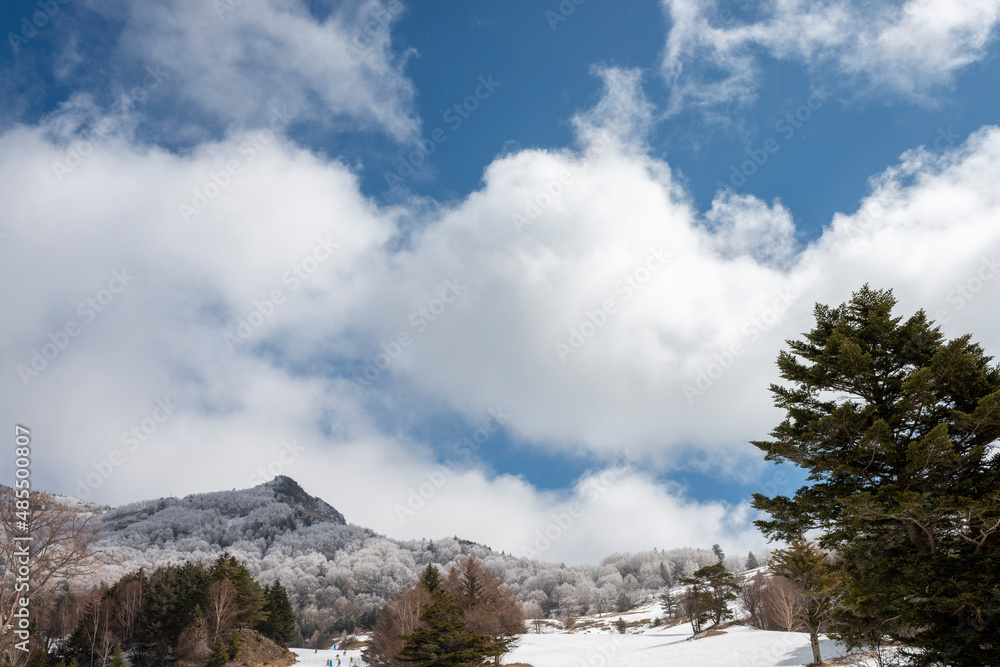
(251, 288)
(230, 63)
(714, 49)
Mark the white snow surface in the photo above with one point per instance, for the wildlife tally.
(597, 644)
(308, 657)
(593, 642)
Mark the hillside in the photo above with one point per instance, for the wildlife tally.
(593, 641)
(339, 574)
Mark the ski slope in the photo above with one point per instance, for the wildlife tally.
(307, 657)
(594, 643)
(597, 644)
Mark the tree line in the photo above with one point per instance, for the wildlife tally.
(189, 614)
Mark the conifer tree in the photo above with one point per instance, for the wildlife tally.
(752, 563)
(117, 658)
(898, 429)
(443, 640)
(278, 623)
(717, 588)
(486, 606)
(219, 656)
(668, 603)
(719, 553)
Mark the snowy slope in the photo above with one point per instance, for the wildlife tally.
(596, 644)
(593, 643)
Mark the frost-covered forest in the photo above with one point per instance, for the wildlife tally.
(338, 575)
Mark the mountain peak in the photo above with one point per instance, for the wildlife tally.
(287, 490)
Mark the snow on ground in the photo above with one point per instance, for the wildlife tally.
(308, 657)
(596, 644)
(593, 642)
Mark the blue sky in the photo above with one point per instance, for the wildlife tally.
(733, 162)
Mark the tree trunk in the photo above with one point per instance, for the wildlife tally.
(814, 640)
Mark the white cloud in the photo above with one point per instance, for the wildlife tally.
(713, 50)
(236, 63)
(607, 223)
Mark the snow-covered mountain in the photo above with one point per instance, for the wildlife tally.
(334, 570)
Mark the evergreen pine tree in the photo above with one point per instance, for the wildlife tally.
(668, 603)
(719, 553)
(718, 588)
(898, 429)
(278, 623)
(233, 645)
(751, 561)
(443, 641)
(117, 658)
(39, 658)
(219, 655)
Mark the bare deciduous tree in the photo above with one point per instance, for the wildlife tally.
(61, 543)
(782, 604)
(221, 608)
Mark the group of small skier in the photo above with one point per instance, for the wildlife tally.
(329, 662)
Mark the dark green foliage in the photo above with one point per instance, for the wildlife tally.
(278, 623)
(233, 646)
(173, 598)
(431, 578)
(442, 640)
(898, 429)
(696, 604)
(715, 588)
(250, 599)
(621, 626)
(669, 604)
(219, 656)
(751, 561)
(117, 658)
(39, 658)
